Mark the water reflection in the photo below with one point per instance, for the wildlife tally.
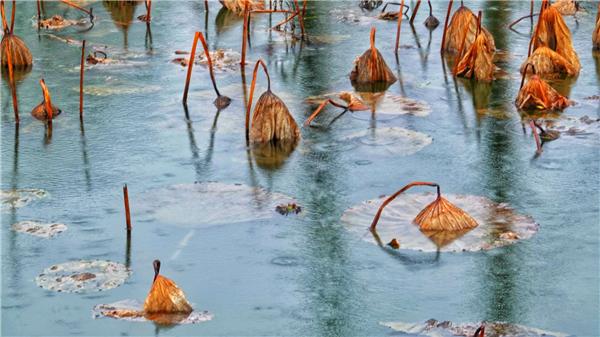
(122, 14)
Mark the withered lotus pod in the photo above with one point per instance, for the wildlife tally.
(271, 120)
(462, 31)
(370, 67)
(440, 215)
(596, 34)
(165, 296)
(536, 94)
(45, 110)
(431, 22)
(237, 6)
(478, 61)
(559, 58)
(20, 54)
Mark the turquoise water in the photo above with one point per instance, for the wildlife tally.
(304, 275)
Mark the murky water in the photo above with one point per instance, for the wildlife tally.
(302, 274)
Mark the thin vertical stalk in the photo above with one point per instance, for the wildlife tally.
(81, 70)
(127, 212)
(3, 14)
(373, 52)
(148, 10)
(190, 66)
(538, 143)
(252, 86)
(414, 13)
(11, 82)
(12, 16)
(47, 103)
(245, 34)
(398, 29)
(443, 47)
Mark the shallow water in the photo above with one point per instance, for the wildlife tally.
(294, 275)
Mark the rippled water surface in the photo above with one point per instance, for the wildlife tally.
(303, 274)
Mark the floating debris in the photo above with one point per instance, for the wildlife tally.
(370, 67)
(390, 141)
(289, 208)
(39, 229)
(394, 244)
(20, 197)
(553, 54)
(435, 328)
(397, 222)
(83, 276)
(222, 59)
(98, 57)
(536, 94)
(58, 22)
(207, 204)
(131, 310)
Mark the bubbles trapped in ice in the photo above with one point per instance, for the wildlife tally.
(207, 204)
(83, 276)
(20, 197)
(498, 226)
(131, 310)
(391, 140)
(39, 229)
(435, 328)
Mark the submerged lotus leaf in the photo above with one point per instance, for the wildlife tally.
(584, 129)
(131, 310)
(112, 89)
(83, 276)
(58, 22)
(207, 204)
(397, 222)
(390, 104)
(391, 140)
(20, 197)
(39, 229)
(435, 328)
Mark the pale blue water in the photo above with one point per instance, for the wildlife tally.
(293, 275)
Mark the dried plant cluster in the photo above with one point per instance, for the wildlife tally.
(463, 30)
(536, 94)
(370, 67)
(553, 55)
(478, 61)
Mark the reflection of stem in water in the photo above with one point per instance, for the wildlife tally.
(86, 162)
(128, 250)
(199, 167)
(148, 39)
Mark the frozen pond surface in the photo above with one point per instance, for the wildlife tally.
(305, 274)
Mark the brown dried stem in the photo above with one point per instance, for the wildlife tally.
(4, 23)
(320, 108)
(190, 66)
(11, 82)
(446, 25)
(81, 70)
(148, 4)
(210, 66)
(538, 143)
(398, 29)
(373, 51)
(47, 102)
(252, 86)
(414, 13)
(127, 212)
(87, 11)
(393, 196)
(12, 16)
(245, 34)
(525, 73)
(535, 32)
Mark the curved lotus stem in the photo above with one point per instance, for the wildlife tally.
(252, 86)
(535, 32)
(414, 13)
(393, 196)
(4, 23)
(47, 101)
(81, 69)
(156, 265)
(190, 66)
(521, 19)
(373, 52)
(87, 11)
(12, 16)
(127, 212)
(399, 27)
(320, 108)
(291, 17)
(148, 4)
(400, 12)
(525, 73)
(245, 34)
(11, 79)
(442, 48)
(210, 66)
(480, 332)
